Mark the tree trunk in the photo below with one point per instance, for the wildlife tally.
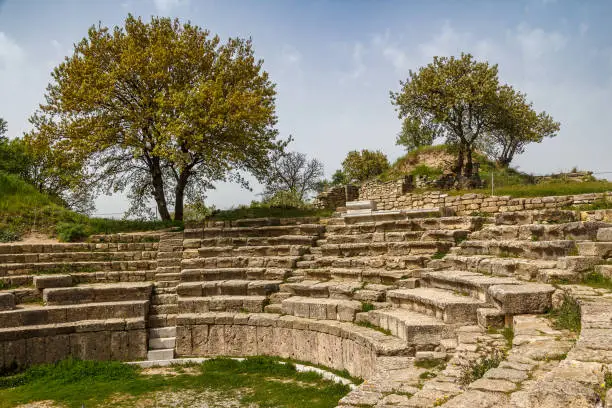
(179, 192)
(458, 170)
(469, 166)
(158, 190)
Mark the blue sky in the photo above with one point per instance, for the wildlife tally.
(335, 62)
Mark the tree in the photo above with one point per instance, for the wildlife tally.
(415, 133)
(364, 165)
(3, 129)
(162, 108)
(339, 178)
(454, 96)
(516, 125)
(293, 171)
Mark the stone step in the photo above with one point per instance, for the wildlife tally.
(52, 281)
(443, 304)
(7, 302)
(361, 275)
(229, 287)
(170, 286)
(558, 276)
(253, 304)
(605, 270)
(526, 298)
(414, 248)
(422, 224)
(371, 237)
(605, 234)
(540, 232)
(467, 283)
(526, 269)
(163, 309)
(164, 354)
(162, 343)
(386, 262)
(165, 276)
(265, 231)
(17, 280)
(72, 247)
(162, 320)
(318, 289)
(240, 262)
(392, 215)
(547, 250)
(14, 269)
(321, 308)
(535, 216)
(83, 256)
(200, 275)
(163, 298)
(162, 332)
(29, 315)
(274, 308)
(130, 237)
(247, 251)
(415, 328)
(95, 293)
(302, 240)
(601, 250)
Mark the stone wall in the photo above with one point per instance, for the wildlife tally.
(395, 195)
(337, 197)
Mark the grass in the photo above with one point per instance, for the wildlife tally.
(269, 212)
(373, 327)
(257, 380)
(543, 189)
(366, 307)
(430, 363)
(477, 369)
(597, 280)
(508, 334)
(602, 204)
(24, 209)
(567, 316)
(439, 255)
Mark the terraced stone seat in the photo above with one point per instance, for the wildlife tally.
(413, 248)
(389, 262)
(240, 262)
(222, 303)
(229, 287)
(249, 231)
(304, 240)
(321, 308)
(541, 232)
(535, 216)
(380, 276)
(473, 284)
(97, 293)
(321, 289)
(547, 250)
(199, 275)
(7, 301)
(443, 304)
(391, 215)
(16, 269)
(526, 269)
(405, 225)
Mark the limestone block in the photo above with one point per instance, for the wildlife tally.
(216, 341)
(329, 349)
(199, 337)
(604, 234)
(52, 281)
(120, 345)
(35, 350)
(554, 393)
(137, 344)
(7, 301)
(522, 299)
(265, 340)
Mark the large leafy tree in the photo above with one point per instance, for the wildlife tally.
(361, 166)
(162, 108)
(516, 124)
(451, 98)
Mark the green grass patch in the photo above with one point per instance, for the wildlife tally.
(373, 327)
(258, 380)
(439, 255)
(427, 375)
(366, 307)
(602, 204)
(567, 316)
(543, 189)
(508, 334)
(261, 211)
(430, 363)
(597, 280)
(477, 369)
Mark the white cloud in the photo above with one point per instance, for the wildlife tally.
(11, 54)
(535, 42)
(165, 6)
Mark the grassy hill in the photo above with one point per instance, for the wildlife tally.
(24, 210)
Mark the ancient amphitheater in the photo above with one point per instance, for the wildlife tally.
(404, 299)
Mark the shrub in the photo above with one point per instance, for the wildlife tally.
(567, 316)
(71, 232)
(476, 370)
(8, 235)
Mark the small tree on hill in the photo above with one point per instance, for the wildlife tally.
(293, 171)
(161, 108)
(364, 165)
(415, 133)
(516, 125)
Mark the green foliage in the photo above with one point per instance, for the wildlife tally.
(508, 334)
(476, 370)
(292, 172)
(567, 316)
(364, 165)
(9, 235)
(198, 211)
(71, 232)
(339, 178)
(461, 101)
(124, 124)
(439, 255)
(374, 327)
(424, 170)
(366, 307)
(602, 204)
(429, 363)
(285, 199)
(597, 280)
(259, 210)
(258, 380)
(427, 375)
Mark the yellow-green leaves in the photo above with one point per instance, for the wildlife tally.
(172, 98)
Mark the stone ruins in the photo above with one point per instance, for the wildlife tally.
(409, 300)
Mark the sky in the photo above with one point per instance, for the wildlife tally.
(335, 62)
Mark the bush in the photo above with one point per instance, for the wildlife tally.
(9, 235)
(71, 232)
(285, 199)
(567, 316)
